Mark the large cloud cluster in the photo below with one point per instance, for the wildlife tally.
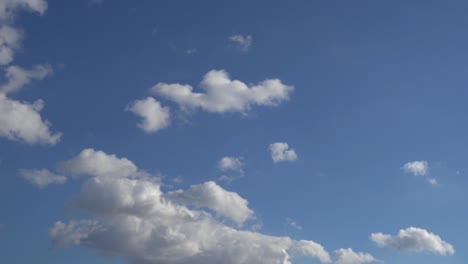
(132, 217)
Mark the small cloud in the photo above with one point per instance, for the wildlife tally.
(242, 42)
(280, 151)
(177, 180)
(155, 117)
(42, 178)
(191, 51)
(414, 239)
(432, 181)
(417, 168)
(292, 223)
(231, 164)
(348, 256)
(226, 179)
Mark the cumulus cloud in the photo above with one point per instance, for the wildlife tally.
(414, 239)
(348, 256)
(18, 77)
(242, 42)
(280, 151)
(133, 218)
(21, 121)
(417, 168)
(212, 196)
(223, 94)
(42, 177)
(95, 163)
(231, 164)
(155, 117)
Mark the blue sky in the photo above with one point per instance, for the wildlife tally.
(175, 132)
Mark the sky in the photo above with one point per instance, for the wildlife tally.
(237, 132)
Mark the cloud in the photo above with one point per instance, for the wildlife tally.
(10, 36)
(417, 168)
(95, 163)
(133, 218)
(8, 8)
(231, 164)
(280, 151)
(42, 177)
(21, 121)
(223, 94)
(414, 239)
(432, 181)
(348, 256)
(10, 40)
(18, 77)
(155, 117)
(310, 248)
(242, 42)
(292, 223)
(212, 196)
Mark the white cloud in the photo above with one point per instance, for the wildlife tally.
(348, 256)
(20, 121)
(231, 164)
(223, 94)
(10, 37)
(155, 117)
(292, 223)
(8, 8)
(417, 168)
(310, 248)
(18, 77)
(432, 181)
(98, 163)
(212, 196)
(242, 42)
(414, 239)
(134, 219)
(10, 40)
(42, 177)
(280, 151)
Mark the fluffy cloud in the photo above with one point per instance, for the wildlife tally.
(155, 117)
(42, 178)
(417, 168)
(133, 218)
(212, 196)
(18, 77)
(348, 256)
(20, 121)
(231, 164)
(414, 239)
(95, 163)
(223, 94)
(280, 151)
(242, 42)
